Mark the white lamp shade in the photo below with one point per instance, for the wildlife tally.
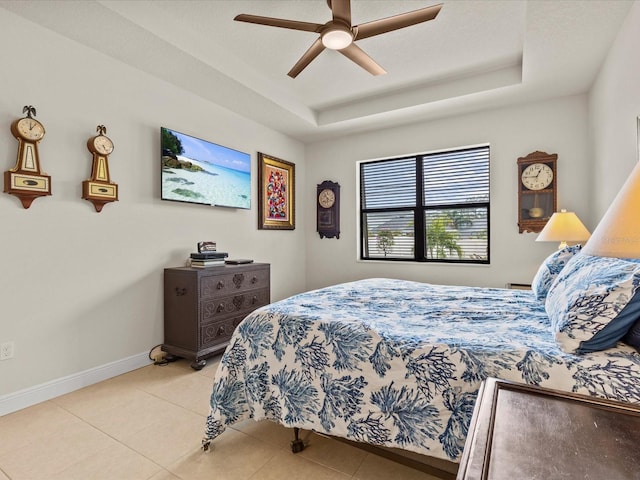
(563, 227)
(618, 233)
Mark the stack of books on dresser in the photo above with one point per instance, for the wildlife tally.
(208, 259)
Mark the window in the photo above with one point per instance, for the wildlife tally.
(432, 207)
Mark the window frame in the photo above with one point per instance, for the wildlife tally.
(419, 210)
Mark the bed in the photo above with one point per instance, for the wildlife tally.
(398, 363)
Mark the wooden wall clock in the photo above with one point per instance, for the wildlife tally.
(537, 190)
(328, 209)
(26, 180)
(99, 189)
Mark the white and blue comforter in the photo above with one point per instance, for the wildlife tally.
(399, 363)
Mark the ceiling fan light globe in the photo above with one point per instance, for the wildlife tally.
(337, 39)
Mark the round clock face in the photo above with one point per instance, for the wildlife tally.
(537, 176)
(103, 144)
(30, 129)
(327, 198)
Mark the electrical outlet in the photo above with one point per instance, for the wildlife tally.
(6, 350)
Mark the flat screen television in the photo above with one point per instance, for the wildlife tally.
(197, 171)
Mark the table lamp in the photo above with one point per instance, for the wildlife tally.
(563, 227)
(618, 233)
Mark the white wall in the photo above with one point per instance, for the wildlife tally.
(81, 289)
(557, 126)
(614, 104)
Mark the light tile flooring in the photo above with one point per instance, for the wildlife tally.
(148, 424)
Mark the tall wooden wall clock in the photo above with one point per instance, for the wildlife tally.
(99, 189)
(537, 190)
(26, 180)
(328, 209)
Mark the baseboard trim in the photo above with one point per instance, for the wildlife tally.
(15, 401)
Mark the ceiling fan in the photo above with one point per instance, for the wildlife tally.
(338, 33)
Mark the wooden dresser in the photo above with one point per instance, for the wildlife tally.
(203, 306)
(526, 432)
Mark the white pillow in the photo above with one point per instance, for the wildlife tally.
(550, 269)
(593, 302)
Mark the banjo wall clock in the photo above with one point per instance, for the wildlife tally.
(26, 180)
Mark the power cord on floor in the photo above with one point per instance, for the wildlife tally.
(157, 360)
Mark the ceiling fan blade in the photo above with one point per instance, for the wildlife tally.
(316, 48)
(279, 22)
(341, 10)
(356, 54)
(396, 22)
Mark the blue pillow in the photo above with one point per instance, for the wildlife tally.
(550, 269)
(633, 336)
(594, 302)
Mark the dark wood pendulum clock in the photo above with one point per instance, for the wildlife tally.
(328, 209)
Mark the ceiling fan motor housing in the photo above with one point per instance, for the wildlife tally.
(336, 35)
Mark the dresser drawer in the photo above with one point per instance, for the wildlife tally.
(217, 308)
(218, 332)
(233, 282)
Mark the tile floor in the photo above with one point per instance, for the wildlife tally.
(147, 424)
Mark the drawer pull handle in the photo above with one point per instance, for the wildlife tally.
(254, 280)
(180, 292)
(220, 285)
(220, 307)
(254, 300)
(238, 278)
(221, 331)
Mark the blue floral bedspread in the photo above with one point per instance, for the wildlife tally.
(399, 363)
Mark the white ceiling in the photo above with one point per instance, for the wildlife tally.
(476, 54)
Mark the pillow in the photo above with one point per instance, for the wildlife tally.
(550, 269)
(593, 302)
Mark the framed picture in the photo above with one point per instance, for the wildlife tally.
(276, 193)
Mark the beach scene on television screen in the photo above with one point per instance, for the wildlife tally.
(197, 171)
